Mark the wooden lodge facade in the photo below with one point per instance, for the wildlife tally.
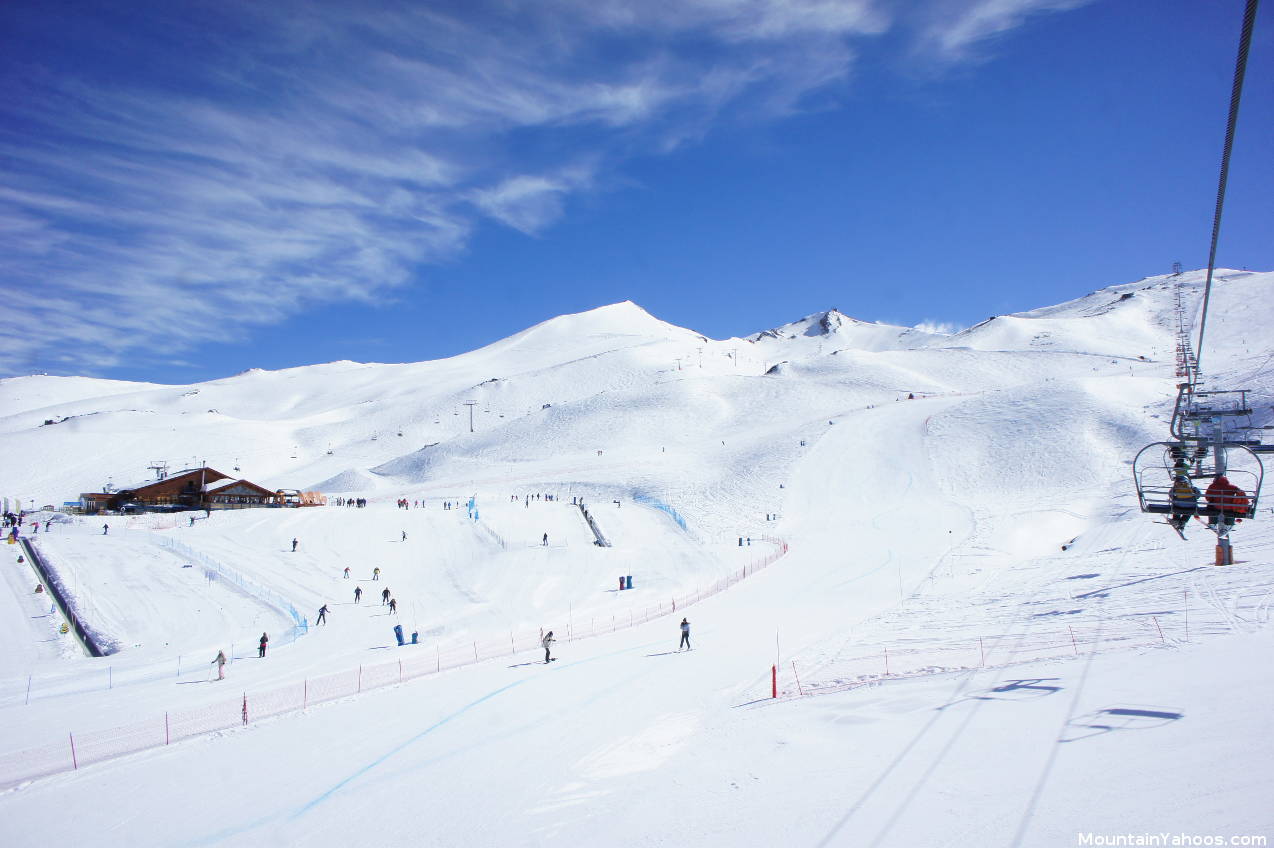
(196, 488)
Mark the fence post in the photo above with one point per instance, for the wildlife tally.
(74, 763)
(400, 671)
(438, 657)
(799, 691)
(360, 678)
(179, 665)
(1157, 627)
(305, 693)
(167, 738)
(475, 652)
(982, 650)
(245, 707)
(886, 661)
(774, 681)
(1074, 644)
(28, 701)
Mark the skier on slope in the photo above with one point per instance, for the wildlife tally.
(358, 594)
(547, 641)
(376, 573)
(220, 661)
(347, 572)
(265, 639)
(322, 616)
(685, 635)
(384, 596)
(393, 605)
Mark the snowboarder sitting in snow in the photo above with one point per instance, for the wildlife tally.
(547, 641)
(265, 638)
(1229, 499)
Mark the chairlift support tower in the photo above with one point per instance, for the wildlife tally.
(1212, 430)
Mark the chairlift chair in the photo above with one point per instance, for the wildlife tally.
(1157, 466)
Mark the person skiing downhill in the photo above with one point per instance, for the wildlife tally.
(220, 661)
(685, 635)
(547, 641)
(358, 594)
(347, 572)
(376, 573)
(384, 596)
(322, 616)
(265, 639)
(393, 605)
(294, 546)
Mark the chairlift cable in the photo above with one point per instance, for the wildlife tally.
(1236, 93)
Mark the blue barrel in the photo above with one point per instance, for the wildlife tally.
(415, 637)
(398, 633)
(630, 582)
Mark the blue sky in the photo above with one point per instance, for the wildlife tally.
(191, 189)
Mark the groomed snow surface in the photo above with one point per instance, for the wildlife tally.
(979, 639)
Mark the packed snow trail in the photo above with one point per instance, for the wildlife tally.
(660, 698)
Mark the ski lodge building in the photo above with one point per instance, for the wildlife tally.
(194, 488)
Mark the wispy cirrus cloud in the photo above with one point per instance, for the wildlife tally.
(954, 30)
(176, 174)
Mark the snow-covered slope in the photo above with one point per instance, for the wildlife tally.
(969, 591)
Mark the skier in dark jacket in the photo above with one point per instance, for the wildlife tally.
(685, 635)
(265, 639)
(294, 546)
(393, 605)
(220, 661)
(384, 596)
(547, 642)
(322, 616)
(358, 594)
